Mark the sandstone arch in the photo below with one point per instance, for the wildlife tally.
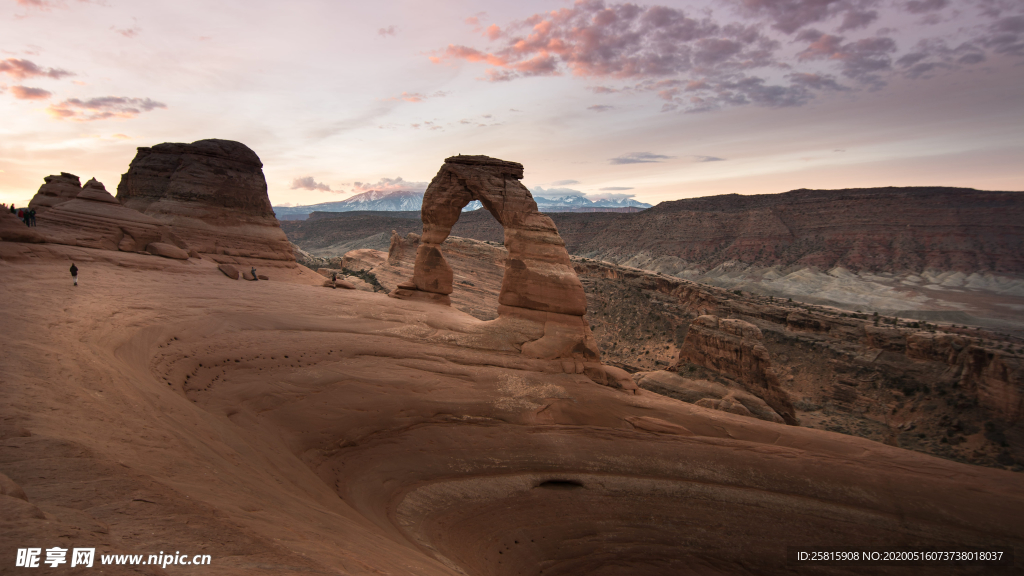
(539, 286)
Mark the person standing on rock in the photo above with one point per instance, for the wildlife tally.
(74, 273)
(32, 216)
(334, 279)
(254, 276)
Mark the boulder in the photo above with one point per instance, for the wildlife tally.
(211, 191)
(166, 250)
(263, 277)
(56, 190)
(733, 349)
(229, 271)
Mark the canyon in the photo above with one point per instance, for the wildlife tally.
(484, 407)
(931, 254)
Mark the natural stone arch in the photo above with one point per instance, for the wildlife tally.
(539, 285)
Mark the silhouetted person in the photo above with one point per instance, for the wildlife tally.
(334, 279)
(254, 276)
(32, 217)
(74, 273)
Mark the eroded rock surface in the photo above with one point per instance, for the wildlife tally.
(211, 191)
(733, 348)
(344, 432)
(95, 219)
(56, 190)
(715, 395)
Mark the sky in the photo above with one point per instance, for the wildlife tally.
(656, 101)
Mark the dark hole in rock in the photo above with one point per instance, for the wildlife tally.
(560, 484)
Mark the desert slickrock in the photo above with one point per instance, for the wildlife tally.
(287, 429)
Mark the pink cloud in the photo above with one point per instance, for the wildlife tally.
(416, 96)
(127, 32)
(389, 185)
(308, 183)
(22, 69)
(26, 93)
(714, 63)
(102, 108)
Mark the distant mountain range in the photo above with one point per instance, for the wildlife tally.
(404, 201)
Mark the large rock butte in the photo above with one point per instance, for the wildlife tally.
(540, 289)
(214, 190)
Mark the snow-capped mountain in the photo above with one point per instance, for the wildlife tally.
(580, 202)
(381, 201)
(375, 200)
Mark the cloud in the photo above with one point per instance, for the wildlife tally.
(416, 96)
(621, 40)
(860, 60)
(26, 93)
(308, 183)
(565, 182)
(46, 5)
(22, 69)
(709, 159)
(615, 188)
(102, 108)
(121, 136)
(127, 32)
(385, 32)
(610, 195)
(600, 107)
(389, 185)
(781, 53)
(924, 6)
(638, 158)
(788, 16)
(554, 192)
(816, 81)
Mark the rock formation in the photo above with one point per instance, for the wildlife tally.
(539, 286)
(713, 395)
(733, 348)
(211, 191)
(12, 229)
(95, 219)
(56, 190)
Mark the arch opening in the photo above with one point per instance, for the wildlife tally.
(540, 292)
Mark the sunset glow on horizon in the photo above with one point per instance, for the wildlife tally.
(656, 101)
